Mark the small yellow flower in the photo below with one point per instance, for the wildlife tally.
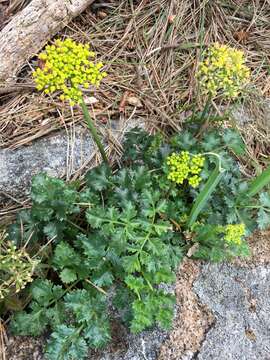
(67, 68)
(223, 71)
(185, 166)
(234, 233)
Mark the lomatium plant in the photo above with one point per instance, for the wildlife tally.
(121, 238)
(222, 73)
(68, 68)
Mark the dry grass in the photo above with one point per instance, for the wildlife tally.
(151, 49)
(3, 341)
(16, 5)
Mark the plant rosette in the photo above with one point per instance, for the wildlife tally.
(130, 228)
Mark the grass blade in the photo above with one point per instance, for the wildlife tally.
(259, 182)
(205, 194)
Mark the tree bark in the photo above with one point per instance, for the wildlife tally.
(26, 34)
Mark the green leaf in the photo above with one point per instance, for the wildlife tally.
(162, 227)
(130, 211)
(52, 197)
(85, 306)
(263, 219)
(155, 246)
(265, 199)
(131, 263)
(164, 275)
(56, 315)
(97, 217)
(151, 265)
(65, 256)
(34, 323)
(149, 200)
(53, 229)
(234, 141)
(157, 306)
(211, 141)
(98, 334)
(123, 297)
(68, 276)
(43, 291)
(135, 283)
(93, 245)
(164, 309)
(185, 140)
(99, 178)
(259, 183)
(102, 277)
(204, 195)
(142, 316)
(135, 144)
(66, 343)
(31, 229)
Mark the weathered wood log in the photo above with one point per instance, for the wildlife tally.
(29, 31)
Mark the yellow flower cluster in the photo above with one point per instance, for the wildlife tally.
(234, 233)
(185, 166)
(223, 71)
(16, 269)
(66, 68)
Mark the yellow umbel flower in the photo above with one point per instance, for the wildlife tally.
(234, 233)
(67, 69)
(185, 166)
(16, 268)
(223, 71)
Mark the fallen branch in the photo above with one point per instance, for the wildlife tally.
(30, 30)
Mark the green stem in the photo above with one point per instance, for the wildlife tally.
(76, 226)
(96, 287)
(206, 108)
(93, 131)
(217, 157)
(69, 340)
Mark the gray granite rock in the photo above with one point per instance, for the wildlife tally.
(144, 346)
(257, 112)
(239, 298)
(58, 155)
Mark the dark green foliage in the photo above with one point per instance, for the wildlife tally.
(99, 178)
(66, 343)
(44, 294)
(53, 203)
(263, 219)
(125, 234)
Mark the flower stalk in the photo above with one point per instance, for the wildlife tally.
(93, 130)
(66, 69)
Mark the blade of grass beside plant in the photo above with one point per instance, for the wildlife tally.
(205, 194)
(259, 182)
